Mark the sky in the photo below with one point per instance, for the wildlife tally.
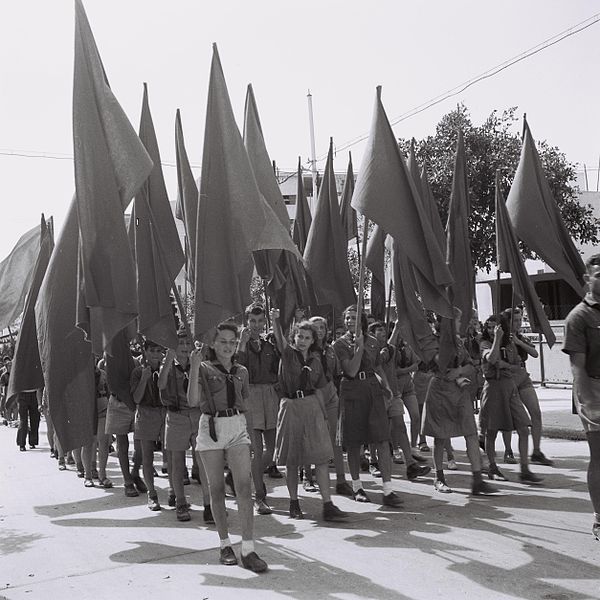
(339, 49)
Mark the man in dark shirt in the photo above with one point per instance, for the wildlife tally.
(582, 344)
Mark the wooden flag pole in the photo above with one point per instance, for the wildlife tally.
(388, 307)
(361, 278)
(182, 312)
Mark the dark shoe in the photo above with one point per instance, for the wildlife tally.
(413, 471)
(364, 464)
(274, 473)
(596, 530)
(227, 556)
(254, 563)
(332, 513)
(139, 484)
(343, 488)
(153, 502)
(88, 483)
(392, 500)
(361, 496)
(172, 501)
(229, 484)
(495, 474)
(424, 447)
(509, 458)
(130, 490)
(52, 453)
(261, 507)
(183, 513)
(374, 470)
(208, 516)
(295, 511)
(32, 446)
(541, 459)
(529, 477)
(62, 466)
(483, 488)
(22, 448)
(80, 473)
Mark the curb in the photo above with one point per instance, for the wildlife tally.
(564, 433)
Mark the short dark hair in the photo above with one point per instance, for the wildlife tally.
(148, 343)
(255, 309)
(592, 261)
(227, 326)
(377, 325)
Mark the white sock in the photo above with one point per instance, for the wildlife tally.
(356, 485)
(247, 547)
(226, 542)
(387, 488)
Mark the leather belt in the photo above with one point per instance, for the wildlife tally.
(301, 393)
(228, 412)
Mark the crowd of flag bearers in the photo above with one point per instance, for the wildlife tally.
(326, 390)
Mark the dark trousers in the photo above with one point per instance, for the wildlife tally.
(29, 419)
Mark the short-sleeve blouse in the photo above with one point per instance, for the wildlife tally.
(370, 360)
(217, 387)
(290, 371)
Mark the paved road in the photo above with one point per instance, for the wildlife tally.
(61, 540)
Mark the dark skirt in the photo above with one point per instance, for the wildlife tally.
(448, 410)
(365, 418)
(501, 407)
(302, 432)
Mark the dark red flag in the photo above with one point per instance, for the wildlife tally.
(66, 357)
(187, 199)
(375, 262)
(326, 253)
(458, 249)
(303, 218)
(536, 219)
(156, 246)
(347, 213)
(26, 372)
(511, 261)
(234, 219)
(110, 166)
(386, 194)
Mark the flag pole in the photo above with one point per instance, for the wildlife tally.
(361, 278)
(388, 307)
(313, 151)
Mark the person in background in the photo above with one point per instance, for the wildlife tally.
(582, 344)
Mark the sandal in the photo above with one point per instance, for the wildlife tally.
(106, 483)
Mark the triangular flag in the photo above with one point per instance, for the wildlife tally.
(347, 213)
(326, 252)
(386, 194)
(26, 372)
(110, 166)
(431, 209)
(536, 219)
(512, 262)
(303, 218)
(375, 262)
(66, 357)
(16, 273)
(458, 250)
(234, 219)
(157, 249)
(187, 198)
(283, 270)
(414, 327)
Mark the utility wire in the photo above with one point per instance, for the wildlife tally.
(551, 41)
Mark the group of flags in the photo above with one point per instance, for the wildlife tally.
(103, 281)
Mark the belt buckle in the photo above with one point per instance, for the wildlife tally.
(299, 394)
(229, 412)
(362, 375)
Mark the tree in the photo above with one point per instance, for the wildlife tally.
(496, 144)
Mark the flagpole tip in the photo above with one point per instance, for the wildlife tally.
(378, 90)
